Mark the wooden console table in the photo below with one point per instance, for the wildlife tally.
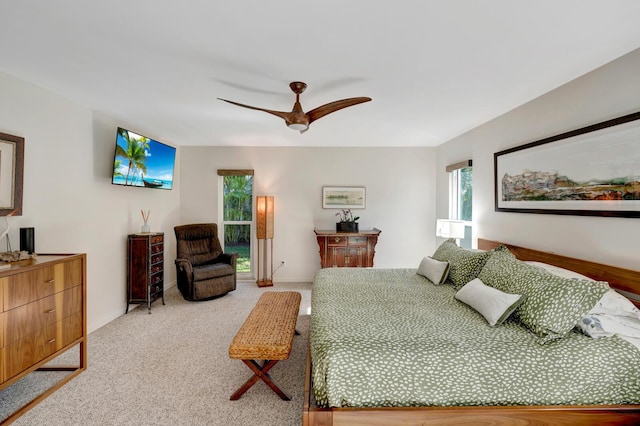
(347, 249)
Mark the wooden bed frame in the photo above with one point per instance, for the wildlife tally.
(619, 278)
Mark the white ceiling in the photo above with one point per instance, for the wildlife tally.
(434, 68)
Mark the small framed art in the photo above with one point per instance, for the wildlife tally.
(343, 197)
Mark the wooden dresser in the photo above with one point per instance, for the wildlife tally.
(347, 249)
(43, 314)
(145, 268)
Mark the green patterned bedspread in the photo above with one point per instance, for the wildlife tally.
(389, 337)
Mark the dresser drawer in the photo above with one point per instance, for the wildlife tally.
(157, 239)
(156, 289)
(30, 286)
(68, 330)
(333, 241)
(157, 248)
(157, 258)
(73, 275)
(27, 319)
(22, 354)
(357, 241)
(155, 279)
(27, 287)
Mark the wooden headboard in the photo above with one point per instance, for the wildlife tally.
(618, 278)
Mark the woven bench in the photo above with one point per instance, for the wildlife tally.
(267, 335)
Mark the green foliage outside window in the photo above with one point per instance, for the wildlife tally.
(238, 206)
(466, 193)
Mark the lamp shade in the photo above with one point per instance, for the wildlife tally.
(447, 228)
(264, 217)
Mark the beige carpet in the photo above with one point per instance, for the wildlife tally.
(172, 368)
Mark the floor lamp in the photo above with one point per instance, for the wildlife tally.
(264, 232)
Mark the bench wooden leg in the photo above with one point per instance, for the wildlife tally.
(260, 372)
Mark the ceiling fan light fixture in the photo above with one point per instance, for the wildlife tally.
(297, 119)
(298, 126)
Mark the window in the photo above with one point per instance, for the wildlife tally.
(237, 215)
(461, 196)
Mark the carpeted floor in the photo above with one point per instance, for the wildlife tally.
(172, 368)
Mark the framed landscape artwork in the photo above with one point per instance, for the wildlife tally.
(592, 171)
(343, 197)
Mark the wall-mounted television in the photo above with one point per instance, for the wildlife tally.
(141, 161)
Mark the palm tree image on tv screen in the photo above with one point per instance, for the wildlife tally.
(143, 162)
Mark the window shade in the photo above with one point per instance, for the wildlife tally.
(460, 165)
(235, 172)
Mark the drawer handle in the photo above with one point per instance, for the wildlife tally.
(50, 311)
(337, 239)
(52, 340)
(51, 281)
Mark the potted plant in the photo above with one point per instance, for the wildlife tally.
(348, 222)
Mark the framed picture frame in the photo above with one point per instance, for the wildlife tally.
(591, 171)
(11, 174)
(343, 197)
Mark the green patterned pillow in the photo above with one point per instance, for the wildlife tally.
(464, 264)
(497, 269)
(553, 305)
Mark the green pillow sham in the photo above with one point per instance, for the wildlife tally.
(464, 264)
(553, 304)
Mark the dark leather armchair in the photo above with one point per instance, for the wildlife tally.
(203, 270)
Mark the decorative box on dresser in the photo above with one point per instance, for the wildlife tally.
(145, 268)
(347, 249)
(43, 314)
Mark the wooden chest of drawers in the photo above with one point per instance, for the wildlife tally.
(145, 268)
(347, 249)
(43, 313)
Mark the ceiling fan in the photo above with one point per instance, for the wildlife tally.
(297, 119)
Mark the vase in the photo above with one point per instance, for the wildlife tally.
(346, 226)
(145, 228)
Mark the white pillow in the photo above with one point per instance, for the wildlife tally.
(613, 303)
(434, 270)
(603, 325)
(558, 271)
(494, 305)
(614, 314)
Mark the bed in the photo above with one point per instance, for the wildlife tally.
(484, 385)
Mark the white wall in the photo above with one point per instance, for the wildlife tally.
(608, 92)
(400, 189)
(68, 197)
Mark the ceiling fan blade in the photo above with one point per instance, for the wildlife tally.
(325, 109)
(281, 114)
